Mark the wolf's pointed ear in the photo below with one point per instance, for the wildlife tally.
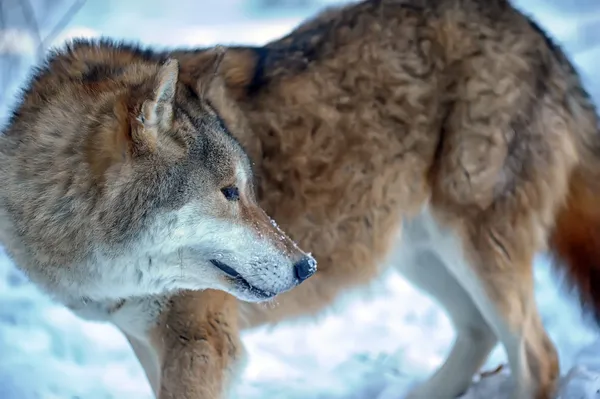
(242, 71)
(236, 69)
(156, 114)
(211, 77)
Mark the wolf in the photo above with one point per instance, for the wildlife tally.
(123, 182)
(450, 139)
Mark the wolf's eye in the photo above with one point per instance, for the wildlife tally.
(231, 193)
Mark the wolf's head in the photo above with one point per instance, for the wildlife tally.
(176, 147)
(142, 187)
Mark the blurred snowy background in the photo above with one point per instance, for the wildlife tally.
(368, 347)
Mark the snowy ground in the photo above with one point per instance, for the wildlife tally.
(369, 348)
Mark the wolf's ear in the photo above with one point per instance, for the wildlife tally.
(156, 114)
(241, 70)
(232, 69)
(211, 75)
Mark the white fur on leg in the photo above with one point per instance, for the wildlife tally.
(474, 339)
(447, 246)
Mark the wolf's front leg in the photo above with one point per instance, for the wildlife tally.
(188, 343)
(198, 344)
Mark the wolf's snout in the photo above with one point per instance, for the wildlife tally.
(305, 267)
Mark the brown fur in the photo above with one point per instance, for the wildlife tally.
(201, 342)
(576, 241)
(364, 116)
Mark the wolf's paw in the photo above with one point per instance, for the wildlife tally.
(425, 392)
(440, 386)
(432, 388)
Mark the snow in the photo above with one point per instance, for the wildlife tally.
(374, 346)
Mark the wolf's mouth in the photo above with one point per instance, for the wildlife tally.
(225, 268)
(241, 282)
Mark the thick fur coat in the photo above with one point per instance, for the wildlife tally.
(457, 123)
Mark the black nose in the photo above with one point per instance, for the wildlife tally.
(305, 267)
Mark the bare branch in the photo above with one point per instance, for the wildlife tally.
(29, 15)
(22, 36)
(74, 9)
